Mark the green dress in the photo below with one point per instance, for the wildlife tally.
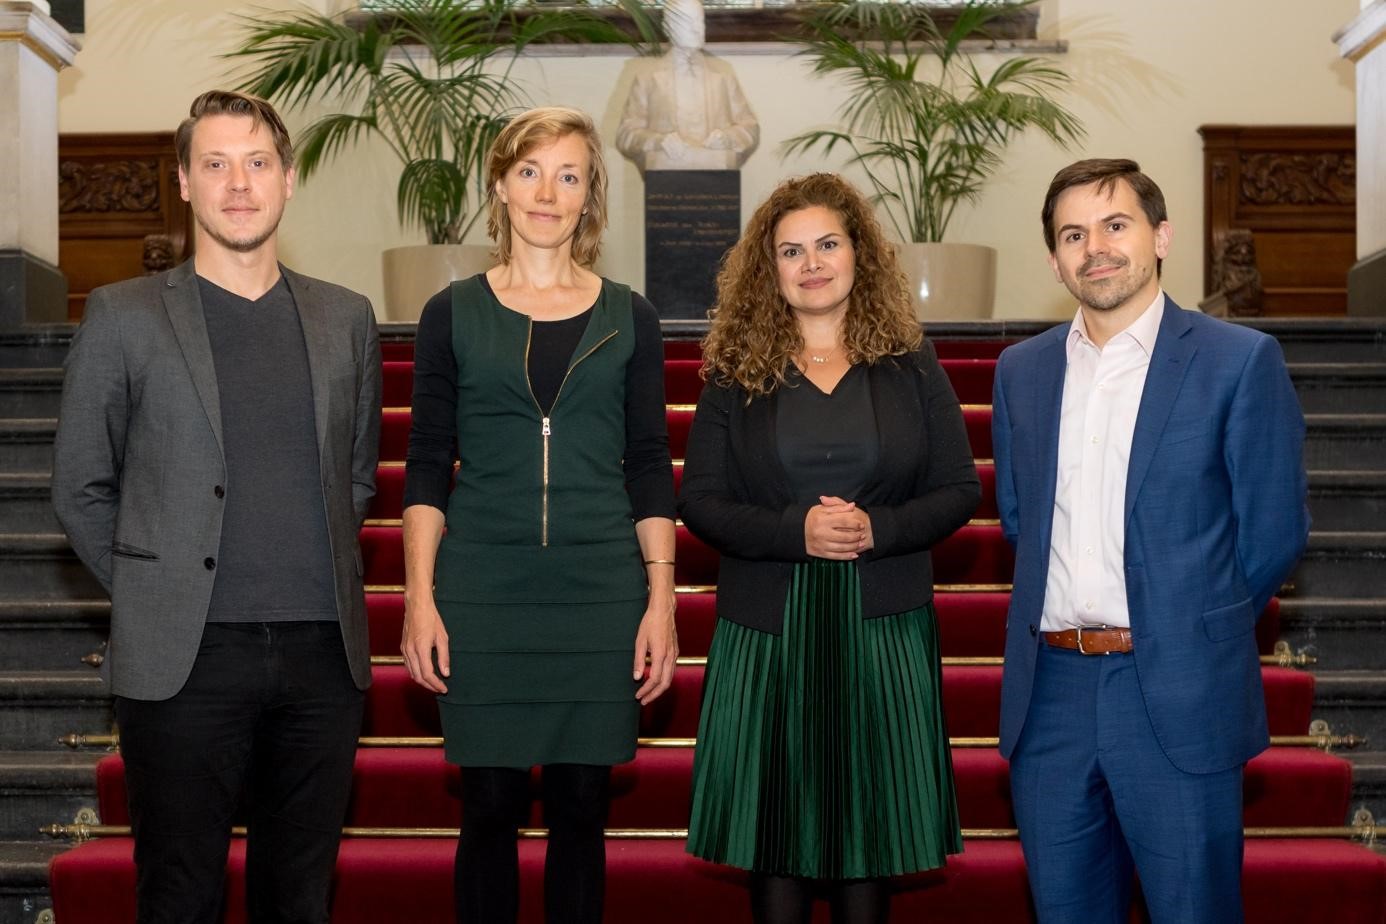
(539, 579)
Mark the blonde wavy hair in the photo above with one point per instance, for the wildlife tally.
(523, 134)
(754, 336)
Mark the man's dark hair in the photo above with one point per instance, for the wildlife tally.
(229, 102)
(1105, 173)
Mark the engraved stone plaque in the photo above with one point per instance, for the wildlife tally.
(692, 217)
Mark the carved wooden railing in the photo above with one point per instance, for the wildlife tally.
(1294, 189)
(119, 211)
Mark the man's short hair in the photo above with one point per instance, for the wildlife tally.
(230, 102)
(1105, 172)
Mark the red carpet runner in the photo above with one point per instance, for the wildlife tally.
(409, 879)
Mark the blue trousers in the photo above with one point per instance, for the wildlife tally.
(1096, 798)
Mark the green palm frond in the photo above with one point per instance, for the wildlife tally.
(924, 124)
(431, 79)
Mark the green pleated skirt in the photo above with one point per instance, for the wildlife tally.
(822, 752)
(540, 683)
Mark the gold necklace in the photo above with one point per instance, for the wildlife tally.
(820, 360)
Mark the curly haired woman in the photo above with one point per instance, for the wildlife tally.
(827, 455)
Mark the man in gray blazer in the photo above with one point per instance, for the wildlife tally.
(215, 456)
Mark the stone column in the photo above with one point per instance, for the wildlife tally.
(1363, 41)
(33, 48)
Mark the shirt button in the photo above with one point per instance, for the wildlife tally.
(219, 491)
(1094, 440)
(209, 563)
(1087, 606)
(1088, 550)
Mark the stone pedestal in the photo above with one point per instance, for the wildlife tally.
(692, 217)
(1363, 41)
(33, 48)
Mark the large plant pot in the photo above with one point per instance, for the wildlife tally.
(414, 274)
(951, 282)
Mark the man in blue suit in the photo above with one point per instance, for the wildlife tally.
(1149, 475)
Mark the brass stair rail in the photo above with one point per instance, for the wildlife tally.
(1323, 740)
(1285, 658)
(80, 833)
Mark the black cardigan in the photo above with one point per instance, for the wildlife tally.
(736, 497)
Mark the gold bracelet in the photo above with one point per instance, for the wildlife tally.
(658, 561)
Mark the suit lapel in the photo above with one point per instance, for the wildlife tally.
(1168, 364)
(314, 318)
(184, 307)
(1049, 399)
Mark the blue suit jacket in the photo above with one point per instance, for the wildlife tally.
(1215, 520)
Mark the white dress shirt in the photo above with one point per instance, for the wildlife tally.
(1102, 395)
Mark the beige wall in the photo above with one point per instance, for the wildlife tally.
(1148, 75)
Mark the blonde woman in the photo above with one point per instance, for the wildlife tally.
(828, 454)
(533, 617)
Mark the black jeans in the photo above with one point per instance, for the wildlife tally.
(269, 715)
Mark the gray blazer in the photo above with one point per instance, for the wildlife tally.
(138, 463)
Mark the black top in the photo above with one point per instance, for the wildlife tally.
(551, 346)
(737, 497)
(827, 443)
(274, 563)
(433, 436)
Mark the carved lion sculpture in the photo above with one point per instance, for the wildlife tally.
(1236, 280)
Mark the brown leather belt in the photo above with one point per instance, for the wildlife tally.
(1091, 640)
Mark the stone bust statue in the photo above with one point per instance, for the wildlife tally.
(686, 110)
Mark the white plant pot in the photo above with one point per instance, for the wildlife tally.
(950, 282)
(416, 273)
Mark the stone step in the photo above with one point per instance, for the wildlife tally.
(1340, 387)
(1368, 781)
(1343, 633)
(43, 787)
(40, 634)
(26, 444)
(1326, 340)
(35, 345)
(1345, 442)
(30, 392)
(1341, 564)
(24, 879)
(38, 707)
(43, 565)
(1340, 500)
(26, 503)
(1352, 702)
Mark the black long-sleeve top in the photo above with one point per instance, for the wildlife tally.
(433, 434)
(737, 497)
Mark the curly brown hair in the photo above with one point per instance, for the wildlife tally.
(754, 336)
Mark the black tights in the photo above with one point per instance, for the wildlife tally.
(789, 900)
(495, 801)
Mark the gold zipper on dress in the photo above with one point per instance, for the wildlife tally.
(546, 425)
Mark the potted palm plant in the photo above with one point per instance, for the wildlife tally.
(928, 127)
(432, 80)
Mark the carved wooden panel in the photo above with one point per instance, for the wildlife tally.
(119, 212)
(1294, 189)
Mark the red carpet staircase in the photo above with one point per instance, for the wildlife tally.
(395, 865)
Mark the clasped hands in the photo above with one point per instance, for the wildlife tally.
(837, 529)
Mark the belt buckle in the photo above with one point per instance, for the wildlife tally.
(1079, 632)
